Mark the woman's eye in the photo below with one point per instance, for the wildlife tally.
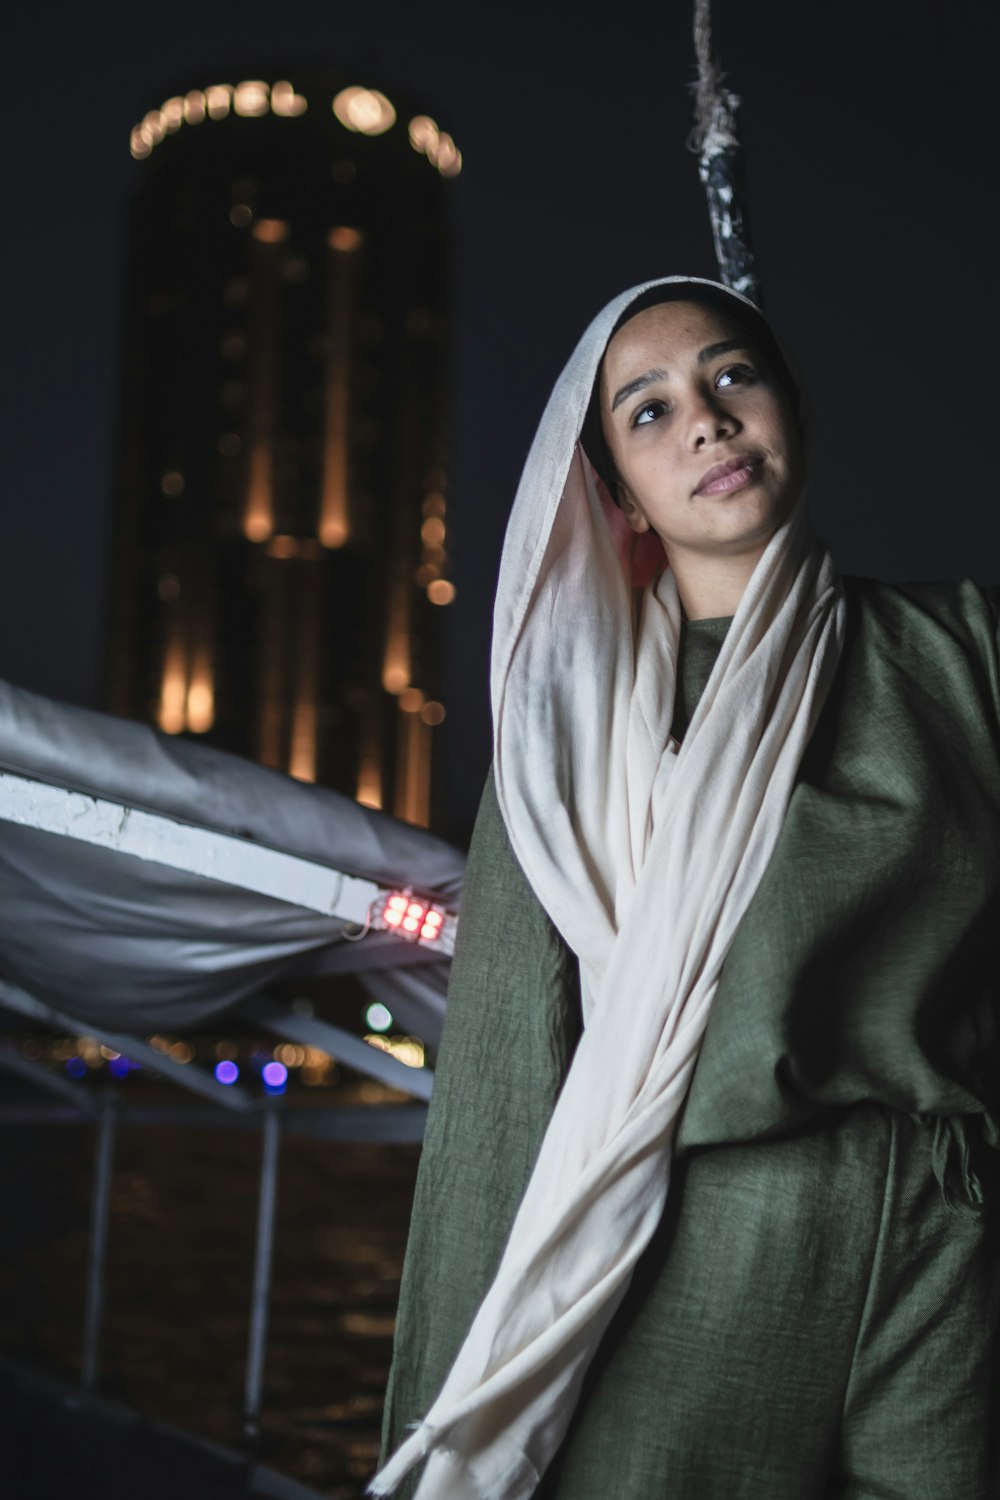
(648, 413)
(735, 375)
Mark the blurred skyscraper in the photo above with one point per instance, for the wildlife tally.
(281, 546)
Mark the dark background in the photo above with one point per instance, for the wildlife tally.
(871, 145)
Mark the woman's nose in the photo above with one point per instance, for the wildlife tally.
(710, 422)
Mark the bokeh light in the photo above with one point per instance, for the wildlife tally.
(275, 1077)
(378, 1016)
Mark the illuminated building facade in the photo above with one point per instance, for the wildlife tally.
(281, 540)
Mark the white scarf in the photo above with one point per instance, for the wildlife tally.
(645, 856)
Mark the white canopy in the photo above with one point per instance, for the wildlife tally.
(150, 882)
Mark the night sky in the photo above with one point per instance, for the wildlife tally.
(871, 140)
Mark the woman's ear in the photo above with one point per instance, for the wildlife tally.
(630, 509)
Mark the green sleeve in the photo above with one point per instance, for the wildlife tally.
(511, 1025)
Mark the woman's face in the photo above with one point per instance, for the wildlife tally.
(707, 447)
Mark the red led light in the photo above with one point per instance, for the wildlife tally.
(434, 919)
(393, 917)
(415, 909)
(398, 903)
(410, 924)
(429, 932)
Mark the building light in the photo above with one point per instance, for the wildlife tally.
(200, 707)
(432, 532)
(251, 99)
(172, 483)
(258, 522)
(172, 111)
(413, 776)
(194, 107)
(364, 110)
(434, 504)
(218, 97)
(285, 101)
(271, 231)
(139, 144)
(344, 237)
(447, 158)
(154, 127)
(302, 759)
(411, 701)
(173, 688)
(438, 147)
(440, 591)
(283, 547)
(432, 714)
(424, 134)
(334, 527)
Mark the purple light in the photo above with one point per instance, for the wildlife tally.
(119, 1067)
(275, 1076)
(76, 1067)
(226, 1072)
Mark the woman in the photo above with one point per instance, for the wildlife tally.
(729, 1238)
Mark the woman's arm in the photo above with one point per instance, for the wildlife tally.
(509, 1033)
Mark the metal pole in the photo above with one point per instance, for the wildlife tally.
(100, 1204)
(260, 1297)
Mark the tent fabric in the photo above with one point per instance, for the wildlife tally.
(133, 944)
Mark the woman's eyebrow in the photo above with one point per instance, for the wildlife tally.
(638, 384)
(710, 351)
(727, 346)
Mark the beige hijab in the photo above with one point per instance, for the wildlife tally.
(645, 856)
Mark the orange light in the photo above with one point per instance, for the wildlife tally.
(194, 107)
(364, 110)
(282, 546)
(432, 532)
(154, 126)
(217, 100)
(441, 591)
(201, 703)
(250, 98)
(345, 237)
(433, 714)
(285, 101)
(424, 134)
(271, 231)
(411, 701)
(173, 114)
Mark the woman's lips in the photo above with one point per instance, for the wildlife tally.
(732, 475)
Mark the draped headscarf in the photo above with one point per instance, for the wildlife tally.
(645, 854)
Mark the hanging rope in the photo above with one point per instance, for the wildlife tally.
(720, 162)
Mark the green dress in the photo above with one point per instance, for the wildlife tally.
(817, 1316)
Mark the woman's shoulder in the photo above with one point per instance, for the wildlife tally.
(928, 614)
(941, 598)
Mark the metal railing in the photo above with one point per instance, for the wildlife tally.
(218, 1106)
